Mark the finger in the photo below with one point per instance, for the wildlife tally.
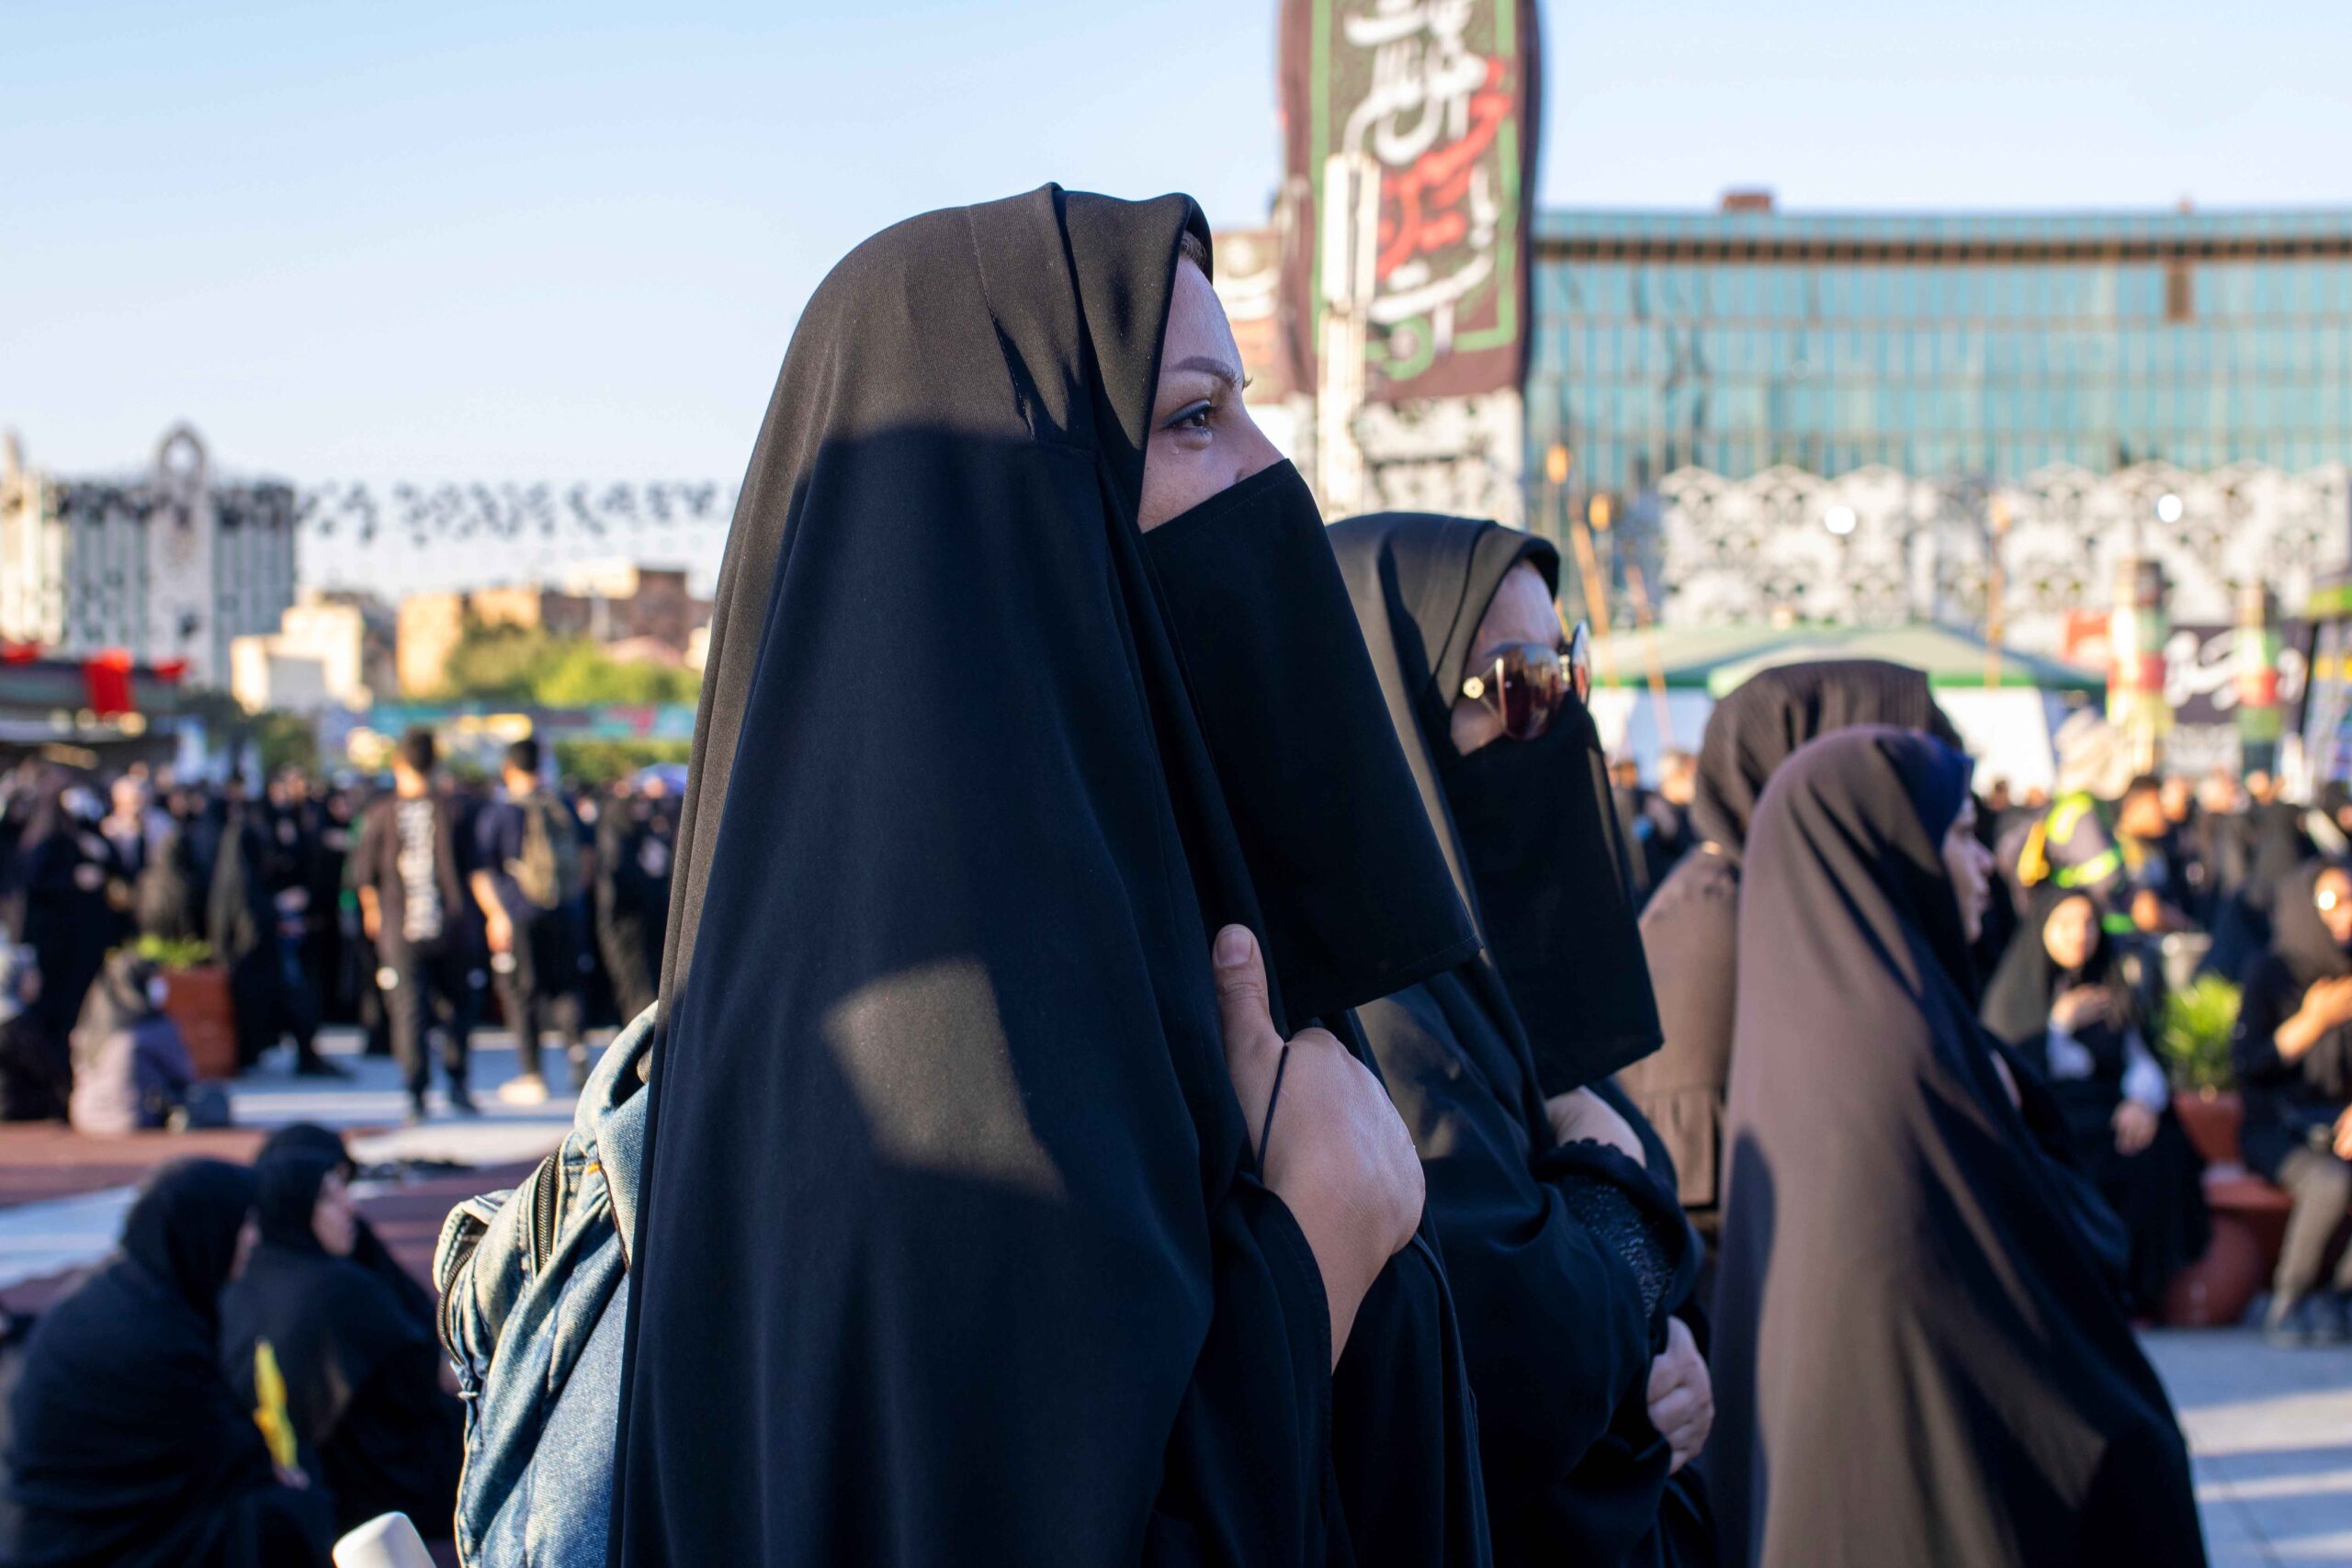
(1663, 1377)
(1242, 1004)
(1672, 1413)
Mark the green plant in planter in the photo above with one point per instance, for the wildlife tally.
(173, 954)
(2194, 1034)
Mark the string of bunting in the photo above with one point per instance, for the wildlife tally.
(429, 515)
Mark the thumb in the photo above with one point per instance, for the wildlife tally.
(1242, 1004)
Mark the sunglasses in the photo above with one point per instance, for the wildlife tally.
(1524, 683)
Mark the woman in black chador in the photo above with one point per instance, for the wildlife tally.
(1919, 1356)
(128, 1449)
(1567, 1251)
(974, 1229)
(2063, 1001)
(363, 1373)
(2294, 1056)
(1690, 926)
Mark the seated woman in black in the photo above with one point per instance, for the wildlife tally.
(363, 1375)
(2063, 999)
(1554, 1204)
(2294, 1056)
(131, 1450)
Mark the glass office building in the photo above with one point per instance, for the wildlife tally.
(1972, 347)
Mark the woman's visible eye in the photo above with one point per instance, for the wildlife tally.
(1192, 416)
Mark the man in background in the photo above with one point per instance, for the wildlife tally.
(528, 880)
(411, 874)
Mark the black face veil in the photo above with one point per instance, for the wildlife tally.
(1549, 885)
(951, 1245)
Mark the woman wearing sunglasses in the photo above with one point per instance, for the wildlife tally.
(1555, 1210)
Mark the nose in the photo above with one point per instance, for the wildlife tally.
(1256, 454)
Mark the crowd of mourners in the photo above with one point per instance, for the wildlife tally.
(1176, 1045)
(404, 905)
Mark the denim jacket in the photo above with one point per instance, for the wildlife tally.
(534, 1294)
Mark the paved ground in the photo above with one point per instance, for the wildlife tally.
(62, 1197)
(2271, 1431)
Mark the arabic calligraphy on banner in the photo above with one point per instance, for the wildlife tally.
(1440, 96)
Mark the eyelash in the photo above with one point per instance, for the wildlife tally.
(1201, 410)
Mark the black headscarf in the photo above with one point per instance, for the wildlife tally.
(1690, 926)
(2028, 982)
(1759, 725)
(2279, 846)
(1892, 1234)
(2300, 940)
(2289, 1104)
(130, 1449)
(951, 1245)
(1548, 885)
(1574, 1471)
(334, 1328)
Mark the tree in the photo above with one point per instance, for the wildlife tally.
(526, 666)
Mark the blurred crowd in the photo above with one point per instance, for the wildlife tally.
(408, 905)
(2111, 893)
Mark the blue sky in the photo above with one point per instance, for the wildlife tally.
(517, 241)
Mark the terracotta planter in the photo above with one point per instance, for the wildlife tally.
(199, 1002)
(2211, 1121)
(2214, 1291)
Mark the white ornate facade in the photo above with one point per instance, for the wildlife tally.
(170, 566)
(1876, 547)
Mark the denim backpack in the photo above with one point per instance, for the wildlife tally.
(534, 1293)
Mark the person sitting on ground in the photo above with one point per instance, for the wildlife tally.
(2064, 1000)
(363, 1377)
(2292, 1051)
(36, 1075)
(368, 1248)
(132, 1072)
(131, 1450)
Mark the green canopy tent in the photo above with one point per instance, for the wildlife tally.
(2005, 704)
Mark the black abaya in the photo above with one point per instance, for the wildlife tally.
(1567, 1262)
(131, 1451)
(2291, 1105)
(2159, 1192)
(951, 1246)
(1689, 927)
(63, 864)
(362, 1373)
(1918, 1358)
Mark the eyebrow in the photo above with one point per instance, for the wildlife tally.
(1217, 367)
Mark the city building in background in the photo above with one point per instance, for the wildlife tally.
(1984, 347)
(1751, 417)
(329, 647)
(169, 567)
(640, 613)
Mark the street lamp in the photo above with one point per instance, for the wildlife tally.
(2169, 508)
(1838, 520)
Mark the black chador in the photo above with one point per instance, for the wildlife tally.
(953, 1247)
